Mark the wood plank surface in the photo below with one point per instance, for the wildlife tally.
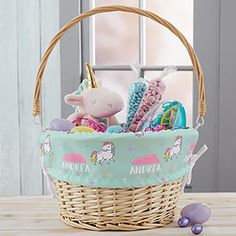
(24, 216)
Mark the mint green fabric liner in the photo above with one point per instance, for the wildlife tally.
(118, 160)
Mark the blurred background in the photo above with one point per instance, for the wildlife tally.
(121, 38)
(110, 42)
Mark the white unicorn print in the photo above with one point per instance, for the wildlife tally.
(47, 150)
(106, 154)
(46, 146)
(174, 151)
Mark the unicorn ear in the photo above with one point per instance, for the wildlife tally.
(72, 99)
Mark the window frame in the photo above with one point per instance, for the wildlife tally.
(89, 47)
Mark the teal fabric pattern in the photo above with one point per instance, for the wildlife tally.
(118, 160)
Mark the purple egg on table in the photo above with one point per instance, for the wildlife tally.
(183, 222)
(198, 213)
(197, 229)
(61, 125)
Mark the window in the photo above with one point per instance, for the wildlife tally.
(119, 39)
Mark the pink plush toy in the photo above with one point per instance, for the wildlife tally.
(95, 102)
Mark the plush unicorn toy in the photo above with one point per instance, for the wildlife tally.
(95, 102)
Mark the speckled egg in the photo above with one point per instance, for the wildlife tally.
(198, 213)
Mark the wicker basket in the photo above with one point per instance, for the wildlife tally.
(118, 208)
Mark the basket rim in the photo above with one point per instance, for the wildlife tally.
(149, 134)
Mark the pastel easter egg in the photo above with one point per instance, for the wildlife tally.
(84, 129)
(61, 125)
(170, 114)
(183, 222)
(114, 129)
(197, 229)
(198, 213)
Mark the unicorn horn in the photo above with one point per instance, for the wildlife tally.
(91, 77)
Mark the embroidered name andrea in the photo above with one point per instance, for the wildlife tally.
(77, 167)
(144, 169)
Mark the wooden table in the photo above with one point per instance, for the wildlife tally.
(23, 216)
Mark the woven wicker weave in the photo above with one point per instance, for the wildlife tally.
(117, 209)
(126, 208)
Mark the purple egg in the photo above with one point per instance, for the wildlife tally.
(183, 222)
(61, 125)
(197, 229)
(198, 213)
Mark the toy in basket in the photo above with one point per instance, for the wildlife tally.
(130, 176)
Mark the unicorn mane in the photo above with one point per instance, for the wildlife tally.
(181, 139)
(113, 149)
(112, 146)
(107, 143)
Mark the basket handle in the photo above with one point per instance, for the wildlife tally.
(196, 64)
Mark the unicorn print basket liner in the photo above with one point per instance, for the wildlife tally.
(105, 154)
(125, 181)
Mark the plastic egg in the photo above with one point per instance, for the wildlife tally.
(197, 229)
(170, 114)
(84, 129)
(183, 222)
(61, 125)
(198, 213)
(114, 129)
